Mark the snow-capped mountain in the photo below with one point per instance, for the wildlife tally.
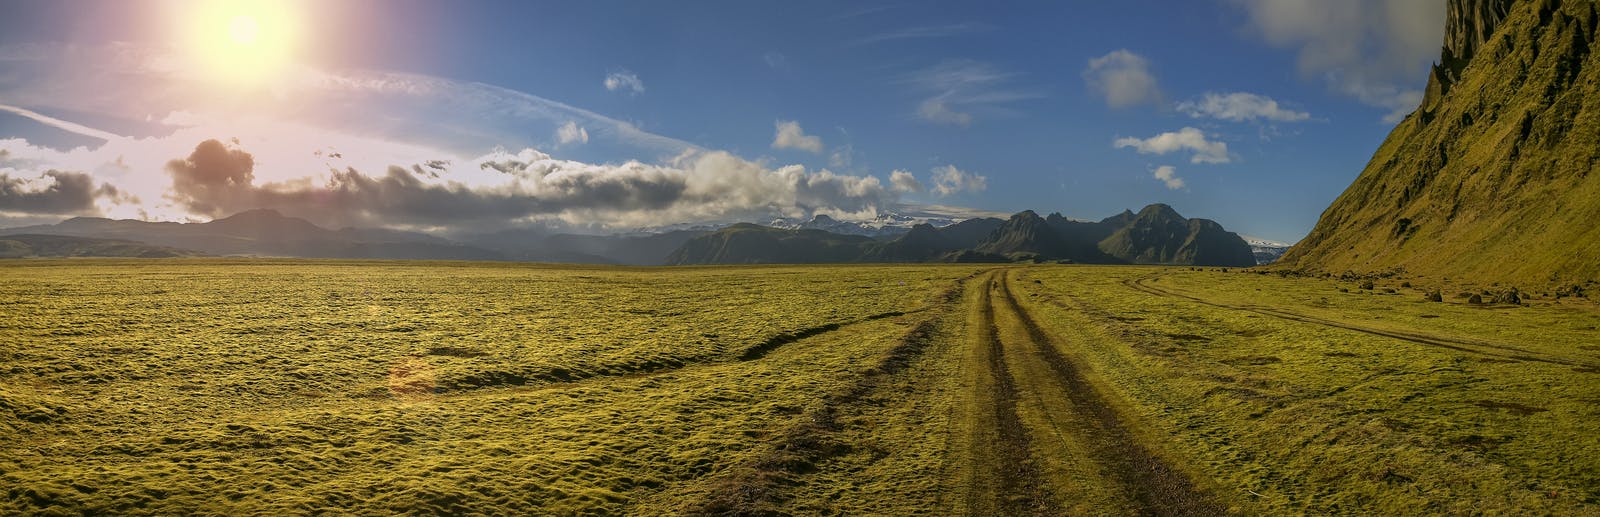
(1266, 251)
(886, 224)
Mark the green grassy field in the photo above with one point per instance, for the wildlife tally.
(245, 387)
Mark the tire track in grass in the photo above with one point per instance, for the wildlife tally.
(1000, 444)
(758, 486)
(1151, 483)
(538, 378)
(766, 347)
(1460, 345)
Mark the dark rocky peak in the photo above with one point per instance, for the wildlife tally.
(1205, 225)
(1469, 23)
(1158, 212)
(821, 219)
(266, 222)
(1028, 216)
(923, 229)
(1119, 220)
(259, 214)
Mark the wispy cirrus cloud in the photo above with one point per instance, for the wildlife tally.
(962, 89)
(923, 32)
(59, 124)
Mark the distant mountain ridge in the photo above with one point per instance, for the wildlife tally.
(40, 246)
(271, 234)
(266, 233)
(1156, 235)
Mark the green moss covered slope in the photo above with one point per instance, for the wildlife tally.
(1493, 178)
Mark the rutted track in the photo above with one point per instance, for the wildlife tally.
(1062, 422)
(541, 379)
(1460, 345)
(1152, 484)
(1018, 487)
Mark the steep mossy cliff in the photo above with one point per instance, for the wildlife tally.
(1493, 178)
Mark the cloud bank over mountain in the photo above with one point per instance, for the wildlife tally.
(304, 151)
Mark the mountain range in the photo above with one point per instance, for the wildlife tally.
(1155, 235)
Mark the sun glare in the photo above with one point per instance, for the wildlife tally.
(246, 42)
(243, 29)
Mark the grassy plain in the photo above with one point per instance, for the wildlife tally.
(228, 387)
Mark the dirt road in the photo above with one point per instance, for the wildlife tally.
(1042, 439)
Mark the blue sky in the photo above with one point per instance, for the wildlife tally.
(994, 106)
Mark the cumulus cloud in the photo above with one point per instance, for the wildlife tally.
(571, 132)
(1240, 107)
(1377, 51)
(948, 180)
(53, 193)
(959, 90)
(1123, 78)
(624, 81)
(1186, 139)
(1169, 175)
(905, 182)
(791, 136)
(217, 180)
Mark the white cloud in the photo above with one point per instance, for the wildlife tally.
(59, 124)
(624, 81)
(1169, 175)
(775, 60)
(1377, 51)
(1186, 139)
(937, 110)
(963, 89)
(905, 182)
(948, 180)
(843, 157)
(571, 132)
(1240, 107)
(790, 136)
(1123, 78)
(179, 180)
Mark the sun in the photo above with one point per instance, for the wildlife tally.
(241, 42)
(244, 29)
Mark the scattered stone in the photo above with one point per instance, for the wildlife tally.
(1475, 299)
(1510, 297)
(1366, 285)
(1435, 296)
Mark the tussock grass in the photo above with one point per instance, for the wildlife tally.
(244, 387)
(249, 387)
